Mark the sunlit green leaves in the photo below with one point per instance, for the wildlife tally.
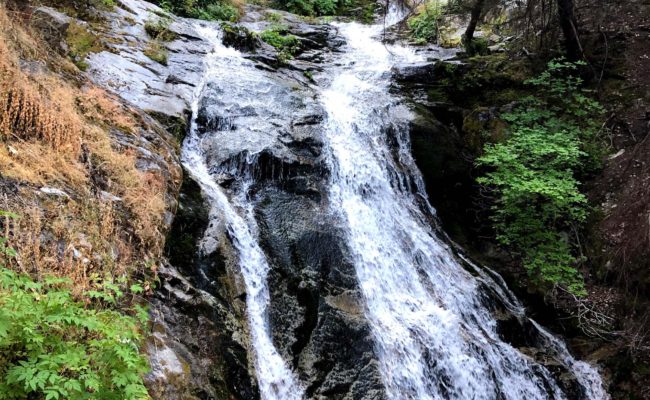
(55, 346)
(535, 172)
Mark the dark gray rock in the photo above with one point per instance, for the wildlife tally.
(198, 349)
(52, 24)
(414, 72)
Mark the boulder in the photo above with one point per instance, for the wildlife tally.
(52, 24)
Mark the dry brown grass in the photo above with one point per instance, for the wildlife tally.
(54, 133)
(28, 110)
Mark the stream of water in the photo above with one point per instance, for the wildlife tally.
(434, 336)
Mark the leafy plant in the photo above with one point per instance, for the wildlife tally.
(287, 45)
(535, 173)
(312, 7)
(211, 10)
(55, 345)
(424, 26)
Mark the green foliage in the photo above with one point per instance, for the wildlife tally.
(157, 52)
(54, 346)
(158, 28)
(424, 26)
(274, 17)
(476, 47)
(535, 173)
(81, 42)
(287, 45)
(211, 10)
(311, 7)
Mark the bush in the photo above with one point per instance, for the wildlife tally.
(477, 47)
(313, 8)
(424, 26)
(211, 10)
(535, 175)
(55, 346)
(159, 29)
(287, 45)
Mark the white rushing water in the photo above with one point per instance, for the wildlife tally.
(226, 68)
(435, 337)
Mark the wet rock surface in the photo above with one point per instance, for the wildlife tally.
(316, 310)
(125, 69)
(199, 348)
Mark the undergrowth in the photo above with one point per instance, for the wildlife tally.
(424, 25)
(55, 344)
(54, 134)
(223, 10)
(288, 45)
(552, 142)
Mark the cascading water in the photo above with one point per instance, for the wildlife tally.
(435, 338)
(434, 333)
(227, 68)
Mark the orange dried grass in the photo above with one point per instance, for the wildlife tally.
(29, 111)
(46, 125)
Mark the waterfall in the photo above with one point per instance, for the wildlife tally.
(434, 335)
(434, 332)
(227, 68)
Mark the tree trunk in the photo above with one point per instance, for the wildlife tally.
(569, 29)
(476, 14)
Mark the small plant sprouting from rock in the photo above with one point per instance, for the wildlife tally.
(534, 173)
(81, 42)
(158, 29)
(157, 52)
(287, 44)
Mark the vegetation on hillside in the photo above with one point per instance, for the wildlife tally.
(361, 10)
(424, 24)
(535, 172)
(224, 10)
(55, 345)
(86, 226)
(278, 36)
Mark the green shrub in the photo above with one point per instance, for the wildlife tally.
(424, 26)
(158, 29)
(287, 45)
(56, 346)
(477, 47)
(312, 8)
(535, 171)
(211, 10)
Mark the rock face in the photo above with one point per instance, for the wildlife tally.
(52, 24)
(199, 347)
(316, 311)
(125, 69)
